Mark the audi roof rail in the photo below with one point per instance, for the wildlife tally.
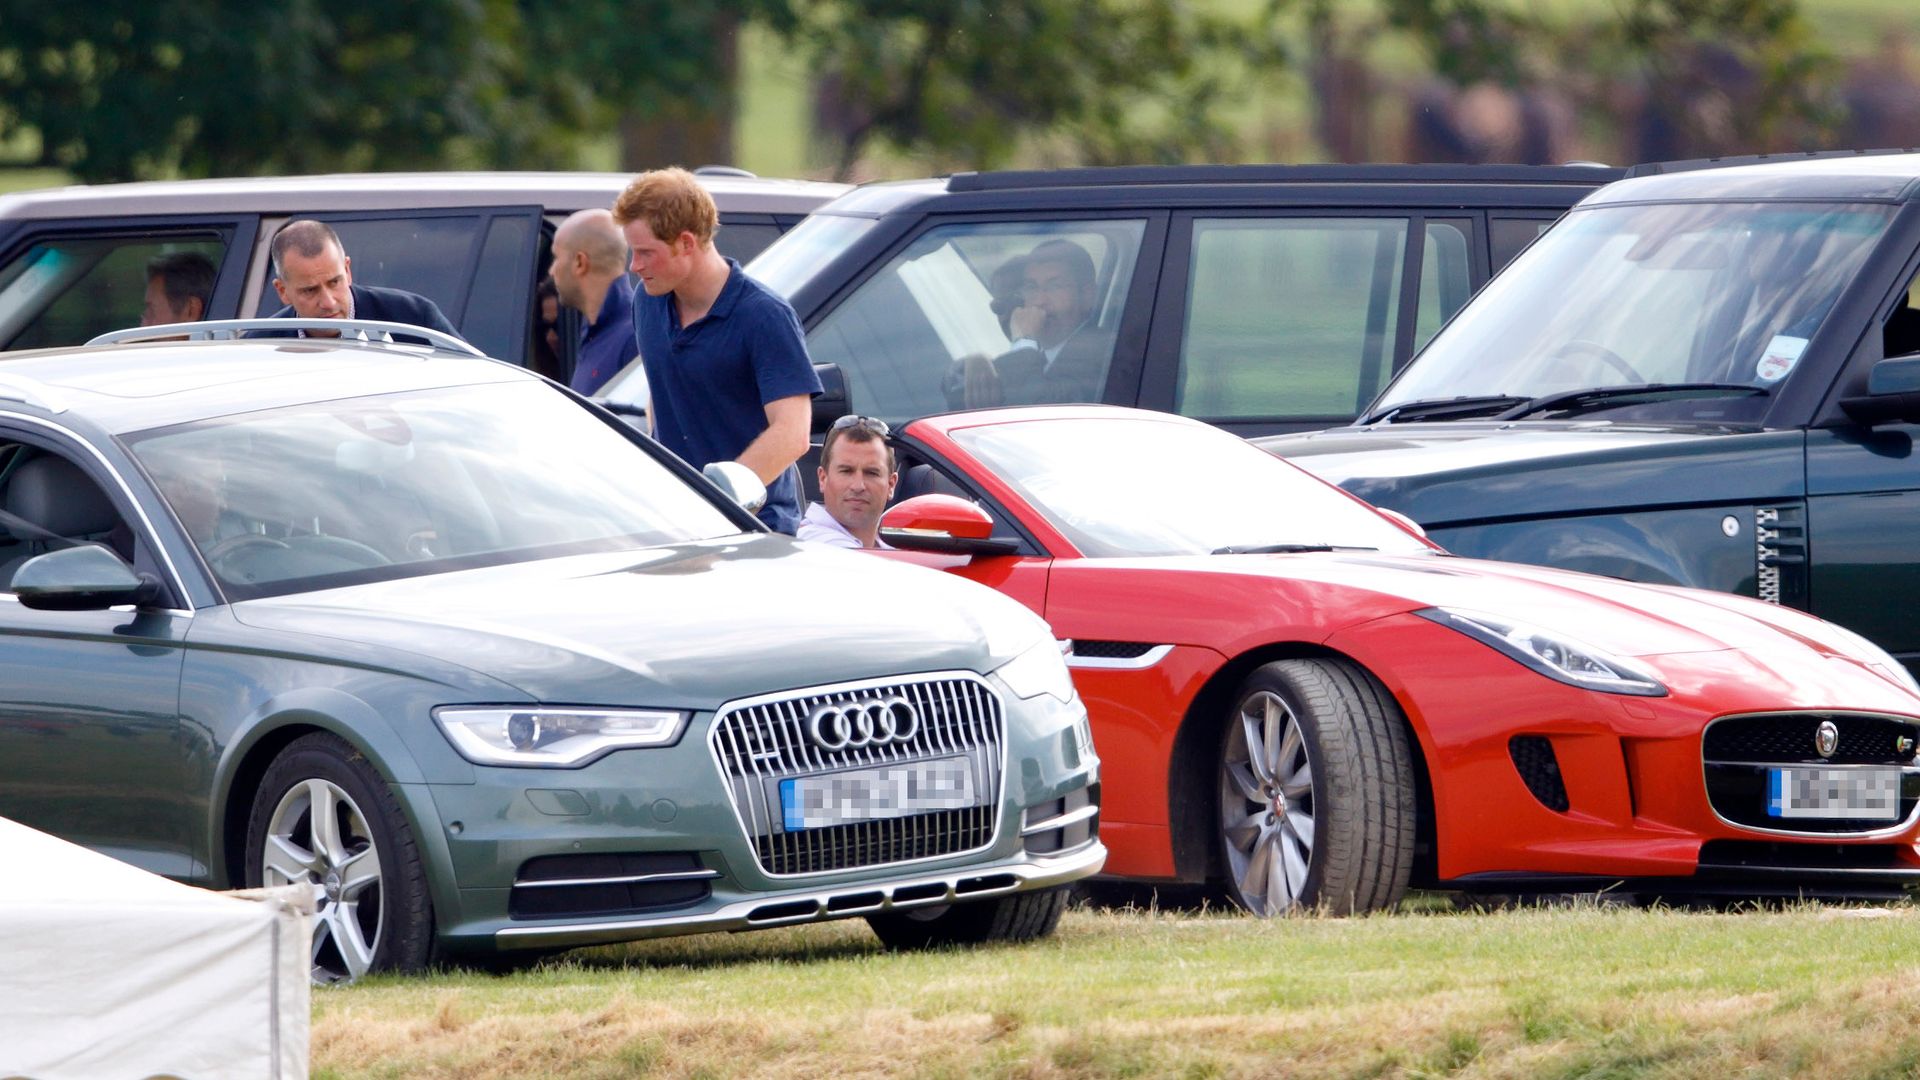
(1657, 168)
(1582, 172)
(370, 331)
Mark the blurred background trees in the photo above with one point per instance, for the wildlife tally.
(115, 90)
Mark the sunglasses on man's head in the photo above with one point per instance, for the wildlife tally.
(865, 423)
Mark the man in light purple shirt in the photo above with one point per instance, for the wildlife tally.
(857, 477)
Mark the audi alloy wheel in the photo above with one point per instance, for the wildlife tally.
(324, 819)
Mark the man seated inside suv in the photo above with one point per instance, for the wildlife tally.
(1058, 354)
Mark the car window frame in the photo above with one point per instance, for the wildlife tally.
(54, 438)
(259, 279)
(1168, 339)
(1127, 365)
(236, 231)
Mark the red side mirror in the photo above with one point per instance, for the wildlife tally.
(943, 523)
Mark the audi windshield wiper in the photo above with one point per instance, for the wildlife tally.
(1284, 549)
(1609, 397)
(1442, 408)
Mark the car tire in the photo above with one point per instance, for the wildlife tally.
(373, 911)
(1325, 818)
(1024, 916)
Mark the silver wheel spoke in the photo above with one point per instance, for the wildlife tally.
(1294, 861)
(358, 873)
(1243, 834)
(323, 817)
(1274, 738)
(1244, 781)
(1253, 883)
(1256, 748)
(1280, 894)
(1300, 784)
(353, 948)
(1302, 826)
(286, 864)
(1289, 751)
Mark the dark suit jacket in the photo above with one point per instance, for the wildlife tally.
(385, 305)
(1078, 373)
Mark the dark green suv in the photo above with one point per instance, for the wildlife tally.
(1707, 377)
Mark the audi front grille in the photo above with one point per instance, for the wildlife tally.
(774, 750)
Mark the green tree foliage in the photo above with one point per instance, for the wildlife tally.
(968, 80)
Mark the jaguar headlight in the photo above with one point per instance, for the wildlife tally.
(1553, 654)
(553, 738)
(1040, 670)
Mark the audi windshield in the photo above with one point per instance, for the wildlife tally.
(397, 485)
(1711, 304)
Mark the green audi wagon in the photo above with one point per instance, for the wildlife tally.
(491, 673)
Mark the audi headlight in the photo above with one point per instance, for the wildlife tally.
(1042, 669)
(1550, 653)
(553, 738)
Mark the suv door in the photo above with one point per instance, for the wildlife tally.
(479, 264)
(944, 301)
(1286, 321)
(64, 282)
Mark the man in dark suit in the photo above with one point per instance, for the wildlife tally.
(314, 277)
(1057, 354)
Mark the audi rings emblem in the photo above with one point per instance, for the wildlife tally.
(851, 725)
(1826, 738)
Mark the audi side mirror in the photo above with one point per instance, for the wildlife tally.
(84, 578)
(945, 524)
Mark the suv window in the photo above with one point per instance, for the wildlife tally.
(65, 290)
(906, 337)
(1290, 317)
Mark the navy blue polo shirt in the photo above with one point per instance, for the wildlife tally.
(607, 344)
(711, 382)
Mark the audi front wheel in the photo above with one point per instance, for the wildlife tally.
(324, 819)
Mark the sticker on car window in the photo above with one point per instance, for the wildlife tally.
(1782, 353)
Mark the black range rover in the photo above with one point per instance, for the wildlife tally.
(1261, 297)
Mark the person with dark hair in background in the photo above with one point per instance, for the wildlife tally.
(314, 278)
(546, 331)
(1057, 354)
(590, 273)
(179, 284)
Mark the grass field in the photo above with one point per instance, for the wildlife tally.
(1585, 991)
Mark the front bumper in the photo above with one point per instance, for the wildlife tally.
(649, 842)
(797, 906)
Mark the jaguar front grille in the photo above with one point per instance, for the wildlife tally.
(1747, 759)
(870, 735)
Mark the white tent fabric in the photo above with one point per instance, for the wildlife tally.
(109, 972)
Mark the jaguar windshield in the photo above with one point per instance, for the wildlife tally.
(1708, 306)
(1154, 486)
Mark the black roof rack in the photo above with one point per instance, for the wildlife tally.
(1582, 173)
(1657, 168)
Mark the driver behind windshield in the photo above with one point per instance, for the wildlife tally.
(1057, 354)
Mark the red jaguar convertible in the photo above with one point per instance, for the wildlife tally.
(1301, 697)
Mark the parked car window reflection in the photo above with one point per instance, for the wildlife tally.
(948, 296)
(62, 291)
(405, 484)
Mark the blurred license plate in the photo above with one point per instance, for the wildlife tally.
(1869, 794)
(891, 791)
